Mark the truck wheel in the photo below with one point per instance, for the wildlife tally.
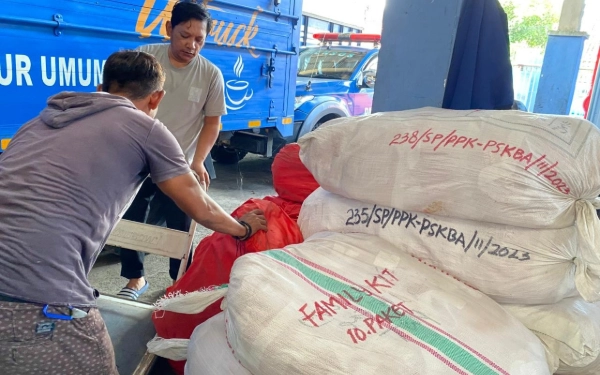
(226, 155)
(324, 120)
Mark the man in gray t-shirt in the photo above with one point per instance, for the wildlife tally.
(191, 110)
(65, 179)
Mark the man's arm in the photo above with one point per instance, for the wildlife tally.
(185, 191)
(206, 140)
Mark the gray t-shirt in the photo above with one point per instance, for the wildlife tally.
(193, 92)
(65, 179)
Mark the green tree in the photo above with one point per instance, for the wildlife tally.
(530, 28)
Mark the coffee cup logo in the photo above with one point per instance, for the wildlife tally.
(237, 91)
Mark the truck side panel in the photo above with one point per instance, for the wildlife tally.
(50, 46)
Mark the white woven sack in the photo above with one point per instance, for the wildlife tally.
(505, 167)
(353, 304)
(509, 264)
(209, 353)
(570, 330)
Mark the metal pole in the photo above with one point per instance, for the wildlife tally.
(571, 15)
(562, 59)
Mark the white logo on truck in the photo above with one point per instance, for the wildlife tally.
(237, 92)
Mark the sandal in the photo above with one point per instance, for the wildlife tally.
(133, 294)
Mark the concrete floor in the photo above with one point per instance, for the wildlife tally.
(251, 178)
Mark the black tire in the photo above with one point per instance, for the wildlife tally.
(317, 125)
(324, 120)
(226, 155)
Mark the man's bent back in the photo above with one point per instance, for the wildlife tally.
(64, 180)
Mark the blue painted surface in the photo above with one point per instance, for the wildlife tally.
(559, 74)
(343, 86)
(416, 50)
(41, 55)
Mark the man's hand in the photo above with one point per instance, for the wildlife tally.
(206, 140)
(200, 182)
(201, 174)
(256, 219)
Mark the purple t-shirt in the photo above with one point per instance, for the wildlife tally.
(65, 179)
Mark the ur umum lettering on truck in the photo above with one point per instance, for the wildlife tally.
(66, 71)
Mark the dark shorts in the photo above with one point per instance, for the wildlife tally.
(31, 344)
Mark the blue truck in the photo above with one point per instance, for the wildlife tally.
(50, 46)
(54, 46)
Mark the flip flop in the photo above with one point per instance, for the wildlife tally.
(132, 294)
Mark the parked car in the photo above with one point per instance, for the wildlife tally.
(335, 80)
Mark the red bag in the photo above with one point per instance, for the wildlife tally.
(291, 179)
(292, 209)
(212, 263)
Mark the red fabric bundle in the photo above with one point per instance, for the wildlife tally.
(291, 179)
(212, 265)
(215, 255)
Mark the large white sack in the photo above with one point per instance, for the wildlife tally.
(506, 167)
(509, 264)
(353, 304)
(209, 353)
(570, 330)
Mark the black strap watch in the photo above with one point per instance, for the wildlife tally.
(248, 231)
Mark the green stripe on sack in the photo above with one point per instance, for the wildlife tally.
(443, 344)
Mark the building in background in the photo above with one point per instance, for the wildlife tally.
(340, 16)
(314, 23)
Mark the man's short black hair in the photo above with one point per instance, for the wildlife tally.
(132, 73)
(186, 10)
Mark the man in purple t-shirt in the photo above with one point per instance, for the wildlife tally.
(65, 178)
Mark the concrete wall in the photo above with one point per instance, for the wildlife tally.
(416, 50)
